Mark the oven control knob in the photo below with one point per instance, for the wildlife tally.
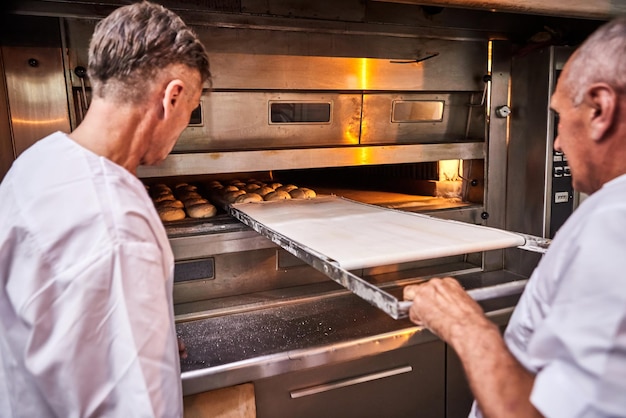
(503, 111)
(484, 215)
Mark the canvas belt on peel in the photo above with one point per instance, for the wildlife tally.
(336, 235)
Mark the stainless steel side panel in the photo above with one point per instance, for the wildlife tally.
(37, 93)
(530, 162)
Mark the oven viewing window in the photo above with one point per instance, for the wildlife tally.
(417, 111)
(196, 116)
(299, 112)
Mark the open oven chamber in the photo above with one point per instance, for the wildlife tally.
(401, 115)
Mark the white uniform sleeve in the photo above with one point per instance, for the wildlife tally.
(580, 348)
(105, 330)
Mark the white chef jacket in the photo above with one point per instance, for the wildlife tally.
(86, 314)
(569, 327)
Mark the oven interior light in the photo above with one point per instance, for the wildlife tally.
(449, 170)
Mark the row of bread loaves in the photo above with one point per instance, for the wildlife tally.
(183, 201)
(236, 191)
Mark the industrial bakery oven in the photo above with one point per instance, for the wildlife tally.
(402, 116)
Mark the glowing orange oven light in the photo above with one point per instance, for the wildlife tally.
(449, 184)
(449, 170)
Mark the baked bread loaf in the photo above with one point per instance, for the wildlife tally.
(160, 186)
(201, 210)
(308, 192)
(163, 197)
(231, 196)
(286, 188)
(264, 190)
(230, 188)
(182, 186)
(215, 185)
(170, 204)
(297, 194)
(252, 187)
(248, 197)
(187, 194)
(168, 214)
(277, 195)
(194, 201)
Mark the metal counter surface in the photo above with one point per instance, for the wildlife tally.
(243, 347)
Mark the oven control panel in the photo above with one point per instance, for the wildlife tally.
(562, 203)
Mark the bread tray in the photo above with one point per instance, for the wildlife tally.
(335, 235)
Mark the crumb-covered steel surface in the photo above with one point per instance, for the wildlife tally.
(231, 338)
(243, 347)
(218, 341)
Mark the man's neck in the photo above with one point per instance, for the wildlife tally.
(113, 133)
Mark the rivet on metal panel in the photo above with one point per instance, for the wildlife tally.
(503, 111)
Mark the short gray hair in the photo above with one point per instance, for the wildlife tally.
(601, 58)
(131, 45)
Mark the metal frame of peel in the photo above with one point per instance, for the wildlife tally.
(373, 294)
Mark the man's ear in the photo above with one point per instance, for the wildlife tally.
(172, 97)
(602, 100)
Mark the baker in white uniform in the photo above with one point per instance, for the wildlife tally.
(564, 350)
(86, 315)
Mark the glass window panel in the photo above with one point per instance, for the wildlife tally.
(196, 116)
(299, 112)
(417, 111)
